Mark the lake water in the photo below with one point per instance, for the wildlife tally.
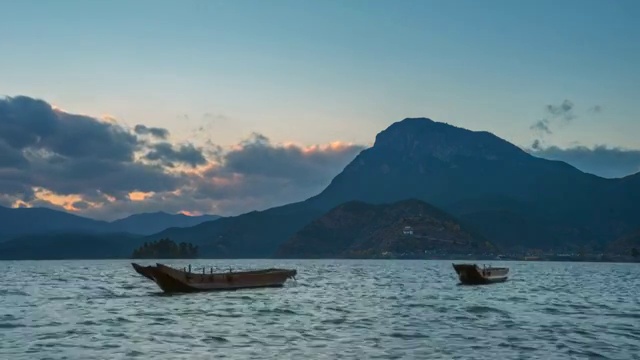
(335, 309)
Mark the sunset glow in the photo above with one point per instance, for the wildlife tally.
(332, 146)
(140, 196)
(64, 201)
(108, 118)
(20, 204)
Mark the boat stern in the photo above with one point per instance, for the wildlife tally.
(292, 274)
(471, 274)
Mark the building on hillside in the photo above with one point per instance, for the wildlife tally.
(408, 230)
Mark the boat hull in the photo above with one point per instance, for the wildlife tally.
(146, 271)
(172, 280)
(471, 274)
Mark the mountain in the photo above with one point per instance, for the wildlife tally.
(24, 221)
(17, 222)
(357, 229)
(70, 246)
(151, 223)
(40, 233)
(509, 196)
(626, 244)
(252, 235)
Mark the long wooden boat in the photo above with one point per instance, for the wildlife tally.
(172, 280)
(146, 271)
(472, 274)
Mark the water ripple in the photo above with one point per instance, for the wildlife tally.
(335, 309)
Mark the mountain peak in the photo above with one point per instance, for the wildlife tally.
(423, 136)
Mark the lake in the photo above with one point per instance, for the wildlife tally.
(335, 309)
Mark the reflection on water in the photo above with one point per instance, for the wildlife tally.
(335, 309)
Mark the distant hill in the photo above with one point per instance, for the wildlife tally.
(16, 222)
(360, 230)
(626, 244)
(151, 223)
(509, 196)
(70, 246)
(252, 235)
(25, 221)
(41, 233)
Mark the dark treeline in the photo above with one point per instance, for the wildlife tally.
(165, 249)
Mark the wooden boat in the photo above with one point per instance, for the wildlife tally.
(172, 280)
(472, 274)
(146, 271)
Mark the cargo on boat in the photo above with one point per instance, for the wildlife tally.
(472, 274)
(172, 280)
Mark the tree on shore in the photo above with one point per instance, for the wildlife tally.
(165, 249)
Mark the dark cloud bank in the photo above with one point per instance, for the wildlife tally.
(94, 165)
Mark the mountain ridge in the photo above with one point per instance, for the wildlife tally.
(447, 166)
(19, 222)
(40, 220)
(513, 198)
(154, 222)
(628, 244)
(358, 229)
(452, 171)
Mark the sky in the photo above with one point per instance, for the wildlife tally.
(310, 83)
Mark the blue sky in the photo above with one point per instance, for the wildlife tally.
(320, 71)
(304, 85)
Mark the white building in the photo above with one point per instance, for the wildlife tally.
(408, 230)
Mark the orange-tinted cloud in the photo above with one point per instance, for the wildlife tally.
(66, 202)
(139, 195)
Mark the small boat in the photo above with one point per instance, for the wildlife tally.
(472, 274)
(172, 280)
(146, 271)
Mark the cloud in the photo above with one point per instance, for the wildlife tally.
(601, 160)
(259, 174)
(44, 147)
(554, 116)
(563, 111)
(24, 121)
(168, 154)
(11, 157)
(80, 176)
(542, 127)
(253, 175)
(14, 184)
(81, 205)
(98, 168)
(159, 133)
(537, 145)
(210, 116)
(596, 109)
(308, 165)
(30, 124)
